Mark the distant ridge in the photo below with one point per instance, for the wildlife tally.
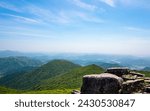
(18, 64)
(9, 53)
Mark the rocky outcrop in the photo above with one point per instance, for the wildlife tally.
(116, 81)
(101, 84)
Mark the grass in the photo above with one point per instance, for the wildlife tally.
(146, 73)
(5, 90)
(54, 91)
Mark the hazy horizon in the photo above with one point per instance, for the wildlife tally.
(119, 27)
(28, 53)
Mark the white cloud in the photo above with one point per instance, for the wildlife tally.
(109, 2)
(133, 29)
(9, 7)
(137, 29)
(88, 18)
(21, 18)
(47, 16)
(62, 16)
(132, 3)
(84, 5)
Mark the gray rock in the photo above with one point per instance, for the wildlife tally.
(133, 86)
(129, 77)
(147, 81)
(137, 74)
(116, 80)
(119, 71)
(101, 84)
(147, 78)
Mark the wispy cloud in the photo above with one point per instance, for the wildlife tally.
(88, 18)
(132, 3)
(84, 5)
(9, 7)
(25, 34)
(137, 29)
(47, 16)
(62, 16)
(21, 18)
(109, 2)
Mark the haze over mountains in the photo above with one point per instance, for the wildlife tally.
(56, 73)
(133, 62)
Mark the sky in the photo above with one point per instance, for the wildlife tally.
(76, 26)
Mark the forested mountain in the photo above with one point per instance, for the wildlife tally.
(31, 79)
(71, 79)
(56, 76)
(13, 65)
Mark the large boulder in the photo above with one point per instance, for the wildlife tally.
(101, 84)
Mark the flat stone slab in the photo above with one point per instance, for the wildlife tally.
(138, 74)
(147, 81)
(119, 71)
(129, 77)
(147, 78)
(134, 81)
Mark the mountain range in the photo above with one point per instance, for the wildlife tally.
(55, 75)
(103, 60)
(23, 74)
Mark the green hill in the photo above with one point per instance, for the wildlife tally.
(70, 80)
(146, 69)
(29, 80)
(146, 73)
(5, 90)
(12, 65)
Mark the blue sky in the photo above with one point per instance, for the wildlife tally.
(79, 26)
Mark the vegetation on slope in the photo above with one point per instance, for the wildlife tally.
(146, 73)
(12, 65)
(70, 80)
(28, 81)
(55, 77)
(4, 90)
